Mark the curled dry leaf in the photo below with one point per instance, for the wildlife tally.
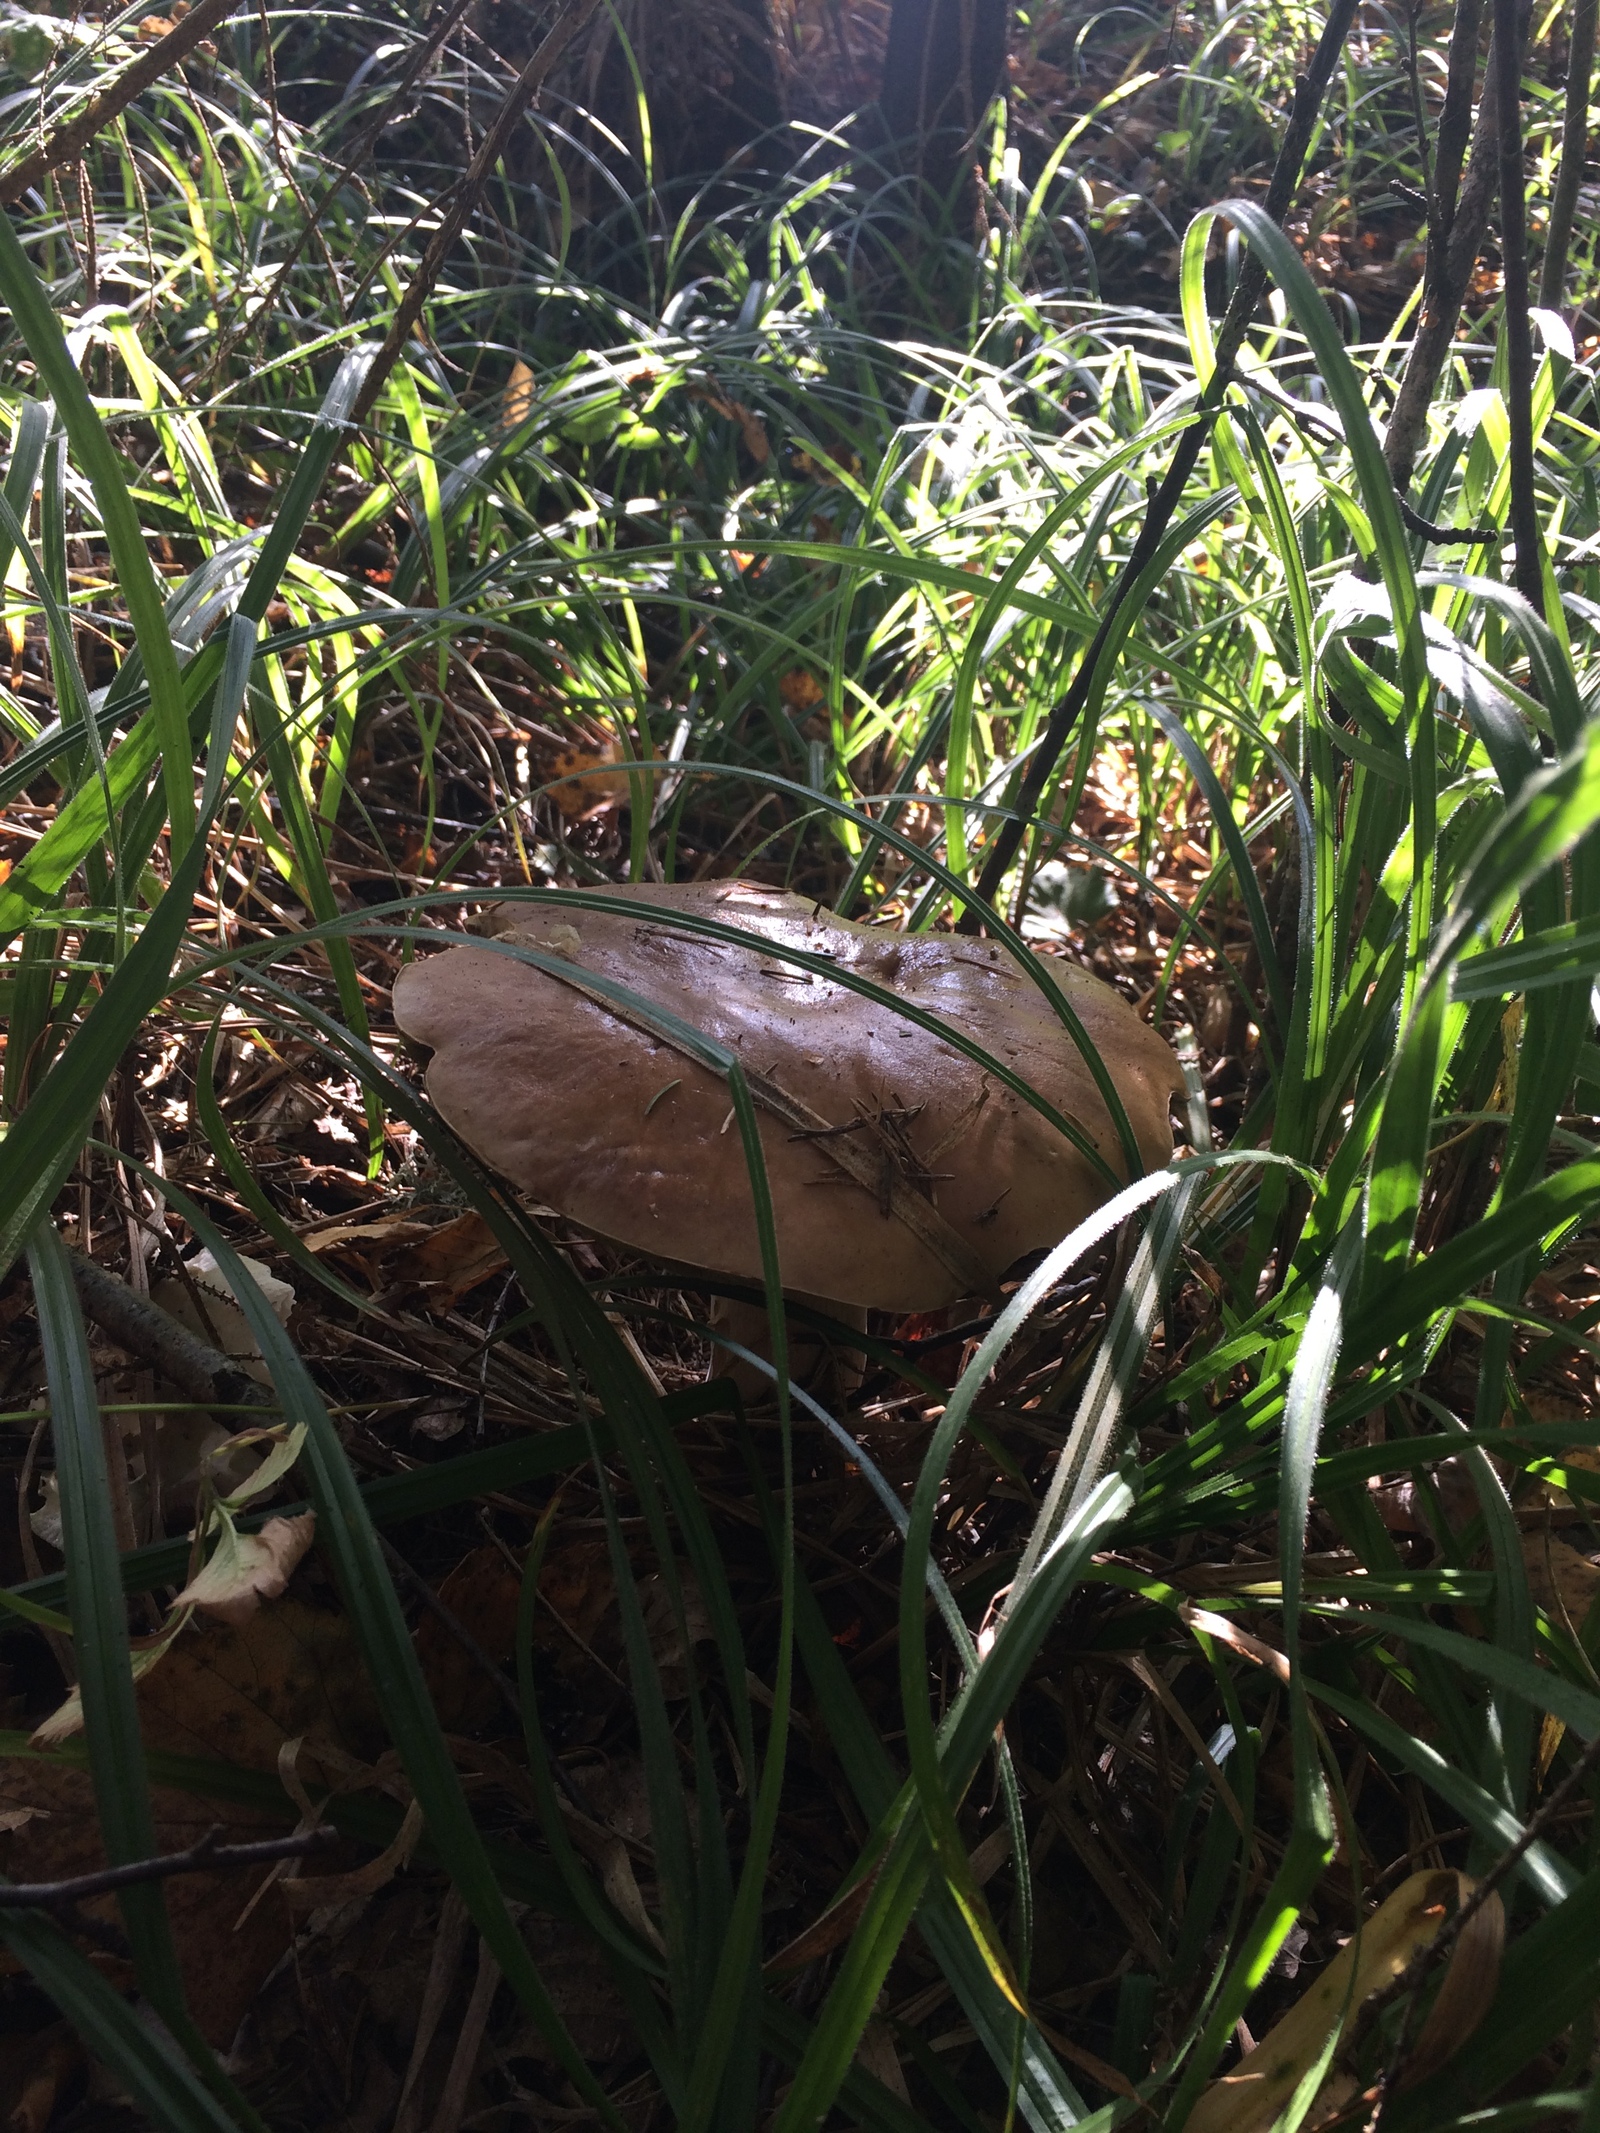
(751, 427)
(1250, 2099)
(204, 1302)
(247, 1568)
(903, 1174)
(326, 1892)
(452, 1261)
(800, 689)
(877, 2056)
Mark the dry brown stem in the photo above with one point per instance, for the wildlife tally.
(69, 140)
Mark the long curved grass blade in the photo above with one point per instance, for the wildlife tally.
(347, 1532)
(101, 1651)
(29, 305)
(158, 2080)
(98, 1611)
(35, 1162)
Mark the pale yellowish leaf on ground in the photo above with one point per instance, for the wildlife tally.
(248, 1568)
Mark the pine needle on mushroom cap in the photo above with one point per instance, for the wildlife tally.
(903, 1174)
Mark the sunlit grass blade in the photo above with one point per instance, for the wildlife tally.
(36, 320)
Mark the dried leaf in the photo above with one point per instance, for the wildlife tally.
(840, 460)
(205, 1304)
(877, 2056)
(751, 427)
(1563, 1582)
(828, 1932)
(520, 396)
(324, 1892)
(1466, 1994)
(591, 784)
(247, 1568)
(223, 1695)
(366, 1239)
(1249, 2099)
(453, 1260)
(800, 689)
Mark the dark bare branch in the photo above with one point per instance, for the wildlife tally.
(464, 196)
(1456, 232)
(209, 1856)
(1518, 327)
(1574, 154)
(1247, 293)
(69, 140)
(202, 1372)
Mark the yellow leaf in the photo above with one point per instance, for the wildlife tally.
(521, 392)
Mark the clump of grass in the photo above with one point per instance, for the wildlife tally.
(286, 699)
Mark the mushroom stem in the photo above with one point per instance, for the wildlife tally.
(815, 1362)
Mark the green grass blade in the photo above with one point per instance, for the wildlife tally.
(160, 2083)
(346, 1531)
(30, 307)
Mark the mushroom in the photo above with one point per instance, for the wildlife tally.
(904, 1174)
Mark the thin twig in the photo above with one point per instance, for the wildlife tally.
(1525, 527)
(209, 1856)
(1308, 94)
(1455, 118)
(69, 140)
(1447, 536)
(464, 198)
(1457, 221)
(416, 62)
(145, 1330)
(1418, 110)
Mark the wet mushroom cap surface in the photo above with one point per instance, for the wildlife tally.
(625, 1133)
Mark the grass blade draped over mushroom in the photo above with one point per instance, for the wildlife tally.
(903, 1173)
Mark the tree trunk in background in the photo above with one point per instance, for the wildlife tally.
(945, 63)
(713, 75)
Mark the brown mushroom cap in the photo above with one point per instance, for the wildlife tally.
(626, 1134)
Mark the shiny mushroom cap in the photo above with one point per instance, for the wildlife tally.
(903, 1174)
